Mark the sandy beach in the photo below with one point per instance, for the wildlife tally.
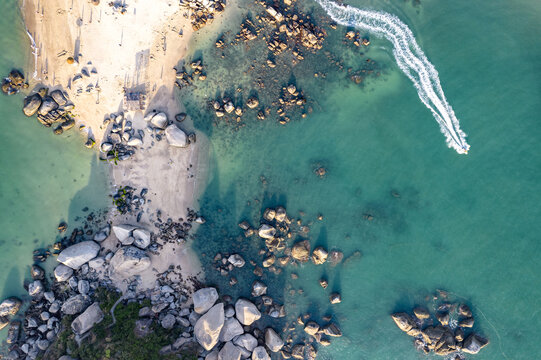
(116, 49)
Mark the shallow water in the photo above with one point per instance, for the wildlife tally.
(466, 224)
(45, 179)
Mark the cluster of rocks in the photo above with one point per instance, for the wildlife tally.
(122, 139)
(84, 267)
(301, 31)
(290, 96)
(170, 231)
(224, 329)
(70, 293)
(445, 333)
(127, 201)
(159, 125)
(51, 108)
(357, 39)
(202, 12)
(184, 79)
(13, 83)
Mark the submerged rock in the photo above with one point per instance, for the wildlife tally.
(32, 104)
(10, 306)
(473, 344)
(301, 251)
(62, 273)
(266, 231)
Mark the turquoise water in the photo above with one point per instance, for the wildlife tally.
(466, 224)
(45, 179)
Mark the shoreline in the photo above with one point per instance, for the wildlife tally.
(104, 67)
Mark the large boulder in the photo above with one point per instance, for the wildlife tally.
(31, 104)
(175, 136)
(207, 329)
(247, 341)
(405, 323)
(79, 254)
(301, 251)
(62, 273)
(123, 232)
(35, 288)
(10, 306)
(59, 97)
(141, 238)
(159, 120)
(474, 343)
(260, 353)
(75, 304)
(47, 105)
(90, 317)
(246, 312)
(231, 328)
(203, 299)
(273, 341)
(229, 352)
(129, 260)
(266, 231)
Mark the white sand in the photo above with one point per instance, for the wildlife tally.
(135, 50)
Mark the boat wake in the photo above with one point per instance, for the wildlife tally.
(411, 60)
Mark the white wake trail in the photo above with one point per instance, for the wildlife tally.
(411, 60)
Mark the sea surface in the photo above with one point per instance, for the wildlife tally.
(44, 178)
(423, 217)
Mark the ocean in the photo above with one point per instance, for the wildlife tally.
(45, 179)
(422, 216)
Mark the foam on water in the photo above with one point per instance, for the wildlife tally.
(411, 60)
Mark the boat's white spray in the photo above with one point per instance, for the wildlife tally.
(411, 60)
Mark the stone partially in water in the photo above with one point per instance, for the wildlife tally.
(32, 104)
(421, 313)
(10, 306)
(319, 255)
(301, 251)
